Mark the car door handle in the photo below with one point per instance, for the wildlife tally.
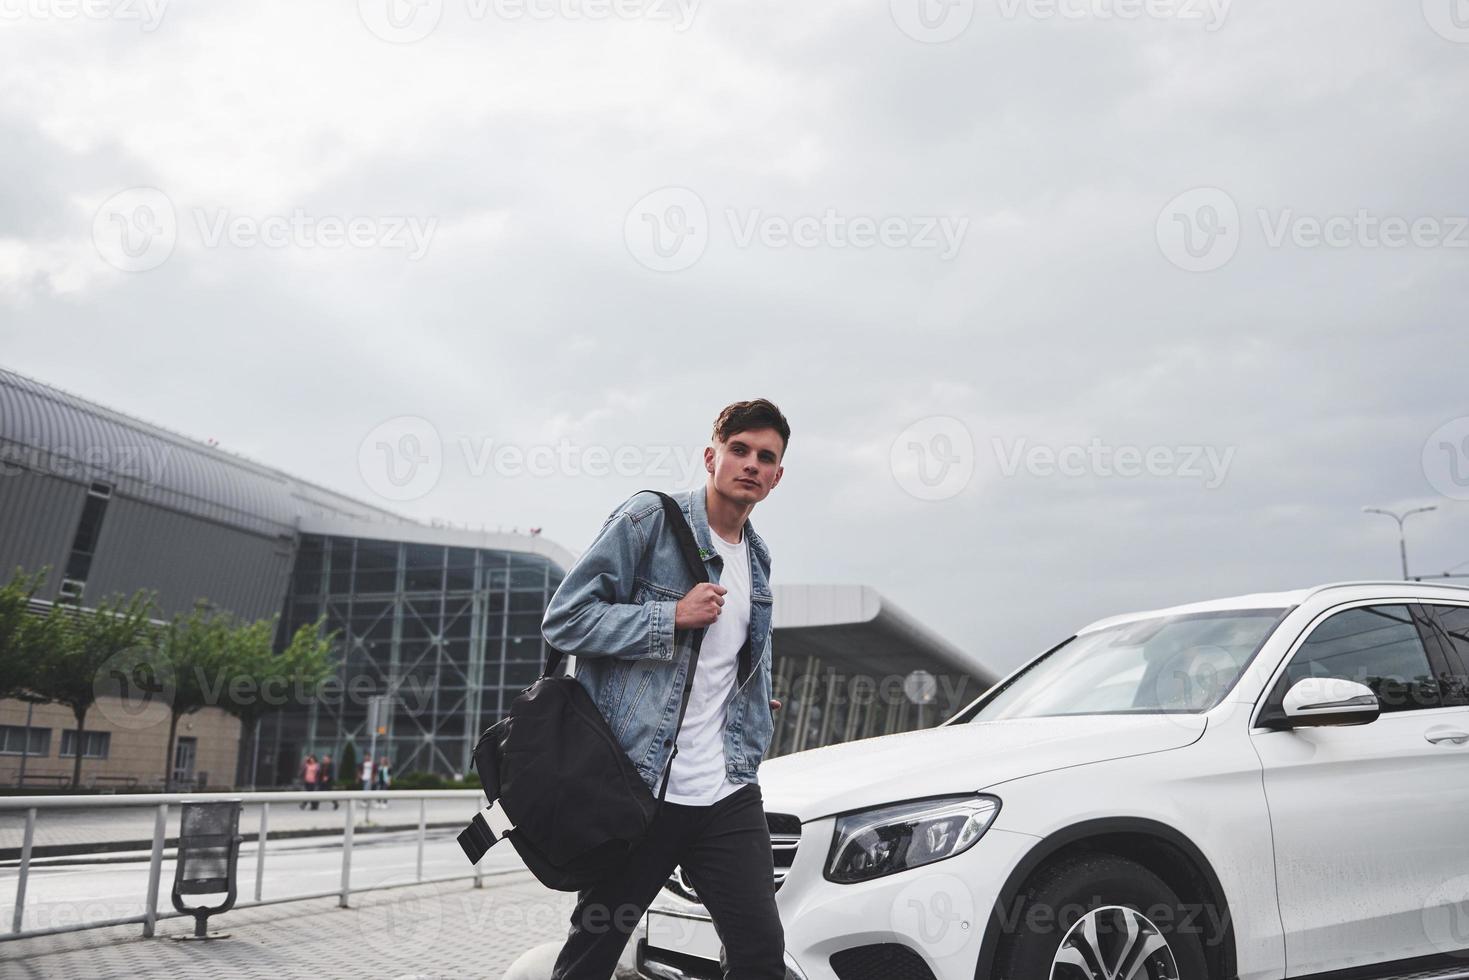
(1436, 735)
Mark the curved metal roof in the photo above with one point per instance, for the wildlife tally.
(858, 627)
(52, 431)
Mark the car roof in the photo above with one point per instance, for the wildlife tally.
(1273, 600)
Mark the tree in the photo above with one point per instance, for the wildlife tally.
(268, 681)
(19, 633)
(196, 651)
(245, 697)
(82, 650)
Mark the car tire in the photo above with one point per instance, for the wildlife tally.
(1047, 939)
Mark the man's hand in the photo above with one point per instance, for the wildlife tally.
(774, 705)
(700, 607)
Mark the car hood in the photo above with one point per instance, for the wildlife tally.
(959, 758)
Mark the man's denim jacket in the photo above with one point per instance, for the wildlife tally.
(614, 613)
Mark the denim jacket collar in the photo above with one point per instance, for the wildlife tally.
(697, 511)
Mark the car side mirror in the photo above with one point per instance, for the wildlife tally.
(1317, 701)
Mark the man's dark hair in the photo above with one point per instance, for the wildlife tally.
(746, 416)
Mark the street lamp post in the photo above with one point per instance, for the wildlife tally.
(1400, 518)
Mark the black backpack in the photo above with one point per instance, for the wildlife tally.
(560, 786)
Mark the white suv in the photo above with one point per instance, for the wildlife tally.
(1267, 786)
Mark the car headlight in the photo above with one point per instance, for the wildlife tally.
(889, 839)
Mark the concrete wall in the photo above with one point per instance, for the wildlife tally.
(136, 747)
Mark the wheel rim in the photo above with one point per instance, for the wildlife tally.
(1114, 943)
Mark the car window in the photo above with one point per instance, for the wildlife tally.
(1374, 645)
(1451, 625)
(1184, 663)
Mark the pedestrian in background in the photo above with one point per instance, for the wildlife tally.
(310, 772)
(325, 775)
(382, 777)
(366, 779)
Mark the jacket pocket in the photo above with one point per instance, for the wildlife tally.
(629, 709)
(645, 590)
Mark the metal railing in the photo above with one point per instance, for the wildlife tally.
(161, 802)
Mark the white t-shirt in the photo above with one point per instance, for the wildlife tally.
(697, 777)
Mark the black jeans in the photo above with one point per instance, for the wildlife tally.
(725, 851)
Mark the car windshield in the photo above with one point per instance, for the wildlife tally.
(1168, 664)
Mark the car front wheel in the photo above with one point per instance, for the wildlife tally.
(1101, 917)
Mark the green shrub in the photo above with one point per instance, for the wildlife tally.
(431, 780)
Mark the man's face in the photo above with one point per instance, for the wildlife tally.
(746, 466)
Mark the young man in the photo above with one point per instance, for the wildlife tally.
(628, 611)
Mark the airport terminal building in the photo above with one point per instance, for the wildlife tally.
(439, 626)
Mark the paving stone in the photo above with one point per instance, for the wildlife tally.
(449, 931)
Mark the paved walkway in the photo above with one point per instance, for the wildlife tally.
(449, 931)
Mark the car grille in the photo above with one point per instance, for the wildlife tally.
(882, 961)
(785, 836)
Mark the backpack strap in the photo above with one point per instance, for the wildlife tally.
(690, 548)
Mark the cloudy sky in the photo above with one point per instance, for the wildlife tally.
(1075, 306)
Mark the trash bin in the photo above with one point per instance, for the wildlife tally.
(208, 856)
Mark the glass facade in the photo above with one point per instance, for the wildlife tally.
(444, 637)
(823, 703)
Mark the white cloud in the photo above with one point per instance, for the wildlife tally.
(527, 320)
